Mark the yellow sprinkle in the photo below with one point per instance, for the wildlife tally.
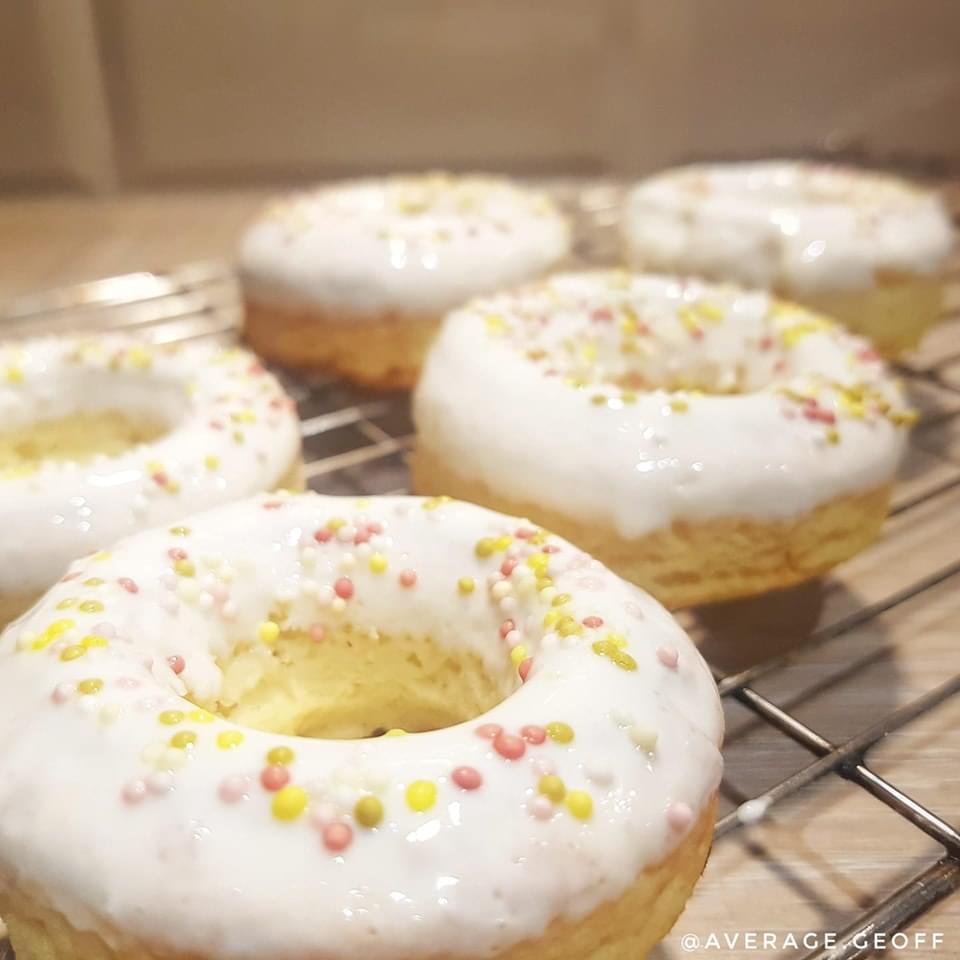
(67, 603)
(368, 811)
(538, 563)
(552, 787)
(378, 563)
(543, 582)
(495, 325)
(518, 654)
(180, 531)
(72, 653)
(395, 732)
(421, 795)
(280, 755)
(466, 585)
(91, 686)
(201, 716)
(710, 311)
(170, 718)
(289, 803)
(185, 568)
(101, 555)
(560, 599)
(833, 436)
(580, 804)
(91, 606)
(628, 396)
(244, 416)
(154, 466)
(618, 640)
(568, 627)
(94, 640)
(139, 357)
(624, 661)
(55, 629)
(589, 352)
(211, 462)
(14, 375)
(229, 739)
(335, 523)
(677, 405)
(268, 632)
(433, 502)
(551, 617)
(560, 732)
(183, 740)
(485, 547)
(904, 418)
(93, 582)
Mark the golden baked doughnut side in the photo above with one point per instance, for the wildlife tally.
(690, 562)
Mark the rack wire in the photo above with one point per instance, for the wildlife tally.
(356, 442)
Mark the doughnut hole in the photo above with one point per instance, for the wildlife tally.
(358, 683)
(75, 438)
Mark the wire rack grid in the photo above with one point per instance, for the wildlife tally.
(355, 443)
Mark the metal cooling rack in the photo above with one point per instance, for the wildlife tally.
(356, 442)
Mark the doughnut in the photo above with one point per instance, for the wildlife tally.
(360, 730)
(354, 278)
(702, 441)
(101, 436)
(864, 248)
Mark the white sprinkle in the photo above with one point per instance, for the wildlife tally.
(308, 556)
(644, 738)
(347, 561)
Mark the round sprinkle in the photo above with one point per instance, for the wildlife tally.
(280, 756)
(466, 585)
(268, 632)
(408, 578)
(593, 622)
(396, 732)
(88, 687)
(171, 718)
(183, 740)
(317, 633)
(524, 668)
(343, 588)
(508, 746)
(467, 778)
(134, 791)
(540, 808)
(518, 654)
(553, 788)
(201, 716)
(679, 816)
(274, 777)
(560, 732)
(580, 804)
(421, 795)
(368, 811)
(337, 837)
(533, 734)
(185, 568)
(229, 739)
(289, 803)
(489, 730)
(176, 664)
(669, 657)
(506, 627)
(378, 563)
(72, 653)
(233, 789)
(485, 547)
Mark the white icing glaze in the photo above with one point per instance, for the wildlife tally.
(175, 865)
(570, 394)
(232, 433)
(410, 244)
(795, 227)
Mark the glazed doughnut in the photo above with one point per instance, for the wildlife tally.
(864, 248)
(702, 441)
(102, 436)
(178, 778)
(355, 277)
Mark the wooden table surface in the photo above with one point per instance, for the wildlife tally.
(829, 852)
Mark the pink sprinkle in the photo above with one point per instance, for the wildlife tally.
(508, 565)
(540, 808)
(129, 585)
(176, 664)
(593, 622)
(766, 343)
(323, 535)
(601, 315)
(524, 668)
(408, 578)
(343, 588)
(375, 526)
(219, 592)
(668, 656)
(134, 791)
(508, 746)
(533, 734)
(337, 837)
(273, 505)
(550, 548)
(506, 627)
(362, 536)
(159, 478)
(177, 553)
(679, 816)
(544, 767)
(489, 731)
(62, 692)
(524, 533)
(274, 777)
(70, 576)
(467, 778)
(234, 788)
(317, 633)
